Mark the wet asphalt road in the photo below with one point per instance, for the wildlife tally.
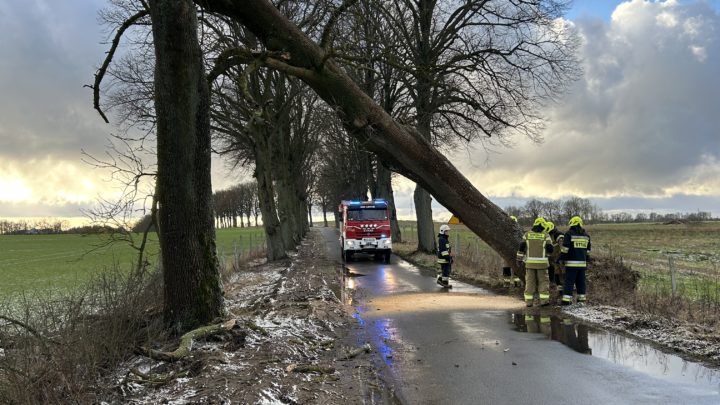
(498, 356)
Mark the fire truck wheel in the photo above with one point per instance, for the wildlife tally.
(387, 257)
(348, 256)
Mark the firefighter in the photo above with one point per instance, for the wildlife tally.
(555, 270)
(574, 255)
(444, 256)
(533, 251)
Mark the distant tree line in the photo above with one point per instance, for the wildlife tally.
(50, 227)
(561, 211)
(237, 202)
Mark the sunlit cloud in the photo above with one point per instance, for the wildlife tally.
(54, 183)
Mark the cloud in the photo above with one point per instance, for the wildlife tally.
(49, 50)
(642, 122)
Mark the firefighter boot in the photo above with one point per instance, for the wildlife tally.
(445, 282)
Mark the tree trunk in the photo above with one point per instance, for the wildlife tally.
(192, 287)
(286, 214)
(385, 191)
(402, 148)
(266, 196)
(309, 212)
(325, 218)
(423, 199)
(425, 225)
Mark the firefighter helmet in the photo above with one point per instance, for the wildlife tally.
(444, 228)
(539, 221)
(513, 217)
(549, 226)
(575, 221)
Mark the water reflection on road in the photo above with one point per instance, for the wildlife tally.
(618, 349)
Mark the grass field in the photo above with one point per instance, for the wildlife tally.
(33, 262)
(693, 250)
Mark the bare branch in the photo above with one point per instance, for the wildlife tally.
(325, 39)
(100, 74)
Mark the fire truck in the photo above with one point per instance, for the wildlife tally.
(365, 227)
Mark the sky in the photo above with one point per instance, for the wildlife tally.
(639, 131)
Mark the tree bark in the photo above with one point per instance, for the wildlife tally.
(402, 148)
(425, 60)
(385, 191)
(192, 287)
(266, 196)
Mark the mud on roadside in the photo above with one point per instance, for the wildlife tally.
(292, 347)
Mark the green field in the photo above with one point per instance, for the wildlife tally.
(32, 262)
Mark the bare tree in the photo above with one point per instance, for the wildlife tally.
(475, 69)
(193, 292)
(401, 147)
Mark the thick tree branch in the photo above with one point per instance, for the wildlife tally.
(100, 74)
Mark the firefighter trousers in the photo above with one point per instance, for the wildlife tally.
(574, 277)
(536, 281)
(445, 268)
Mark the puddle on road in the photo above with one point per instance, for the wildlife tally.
(438, 301)
(616, 348)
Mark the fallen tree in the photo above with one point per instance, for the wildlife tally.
(402, 148)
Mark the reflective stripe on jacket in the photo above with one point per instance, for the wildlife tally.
(576, 248)
(443, 249)
(535, 248)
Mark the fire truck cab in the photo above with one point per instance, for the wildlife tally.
(365, 227)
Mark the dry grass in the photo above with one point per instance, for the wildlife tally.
(58, 347)
(64, 347)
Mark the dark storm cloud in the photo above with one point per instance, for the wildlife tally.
(49, 51)
(643, 120)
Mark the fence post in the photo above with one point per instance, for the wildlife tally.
(673, 285)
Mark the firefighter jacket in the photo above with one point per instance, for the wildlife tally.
(575, 248)
(444, 249)
(535, 248)
(557, 239)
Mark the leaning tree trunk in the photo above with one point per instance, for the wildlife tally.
(402, 148)
(192, 287)
(385, 191)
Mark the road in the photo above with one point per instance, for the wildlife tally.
(469, 346)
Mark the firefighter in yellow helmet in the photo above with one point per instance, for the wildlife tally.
(574, 254)
(534, 250)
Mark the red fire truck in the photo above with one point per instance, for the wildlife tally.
(365, 227)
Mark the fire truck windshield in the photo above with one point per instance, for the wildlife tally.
(367, 214)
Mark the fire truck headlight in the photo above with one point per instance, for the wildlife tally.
(349, 242)
(383, 236)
